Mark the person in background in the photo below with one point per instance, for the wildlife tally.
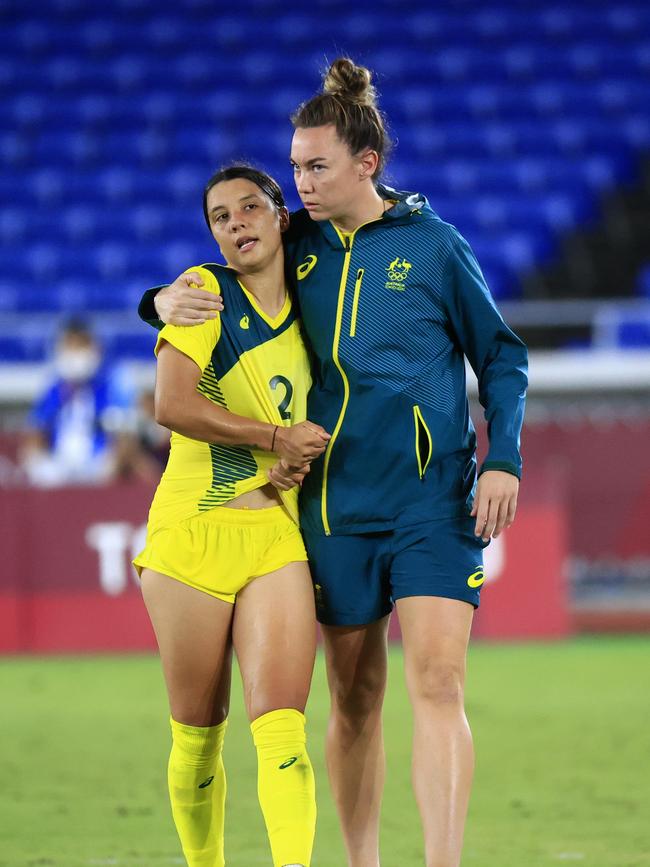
(141, 444)
(67, 441)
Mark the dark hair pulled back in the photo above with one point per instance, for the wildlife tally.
(349, 102)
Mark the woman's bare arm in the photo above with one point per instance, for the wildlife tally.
(180, 407)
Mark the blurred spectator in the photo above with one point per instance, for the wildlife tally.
(68, 441)
(142, 446)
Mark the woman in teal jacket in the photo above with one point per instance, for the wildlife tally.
(392, 299)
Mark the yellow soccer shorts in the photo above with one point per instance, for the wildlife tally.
(222, 550)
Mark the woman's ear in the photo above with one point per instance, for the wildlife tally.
(284, 219)
(368, 161)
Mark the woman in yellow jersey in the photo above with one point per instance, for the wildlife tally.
(224, 565)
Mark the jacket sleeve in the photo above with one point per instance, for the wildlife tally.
(146, 309)
(497, 356)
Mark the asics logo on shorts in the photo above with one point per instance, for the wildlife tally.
(288, 763)
(476, 578)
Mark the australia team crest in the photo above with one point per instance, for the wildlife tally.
(398, 271)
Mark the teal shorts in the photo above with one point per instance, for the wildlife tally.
(357, 578)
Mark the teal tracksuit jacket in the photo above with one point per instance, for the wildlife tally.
(389, 312)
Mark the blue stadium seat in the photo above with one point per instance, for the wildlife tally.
(635, 131)
(13, 228)
(136, 345)
(634, 334)
(31, 36)
(23, 348)
(165, 33)
(16, 149)
(99, 36)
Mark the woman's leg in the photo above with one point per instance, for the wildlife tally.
(357, 665)
(274, 635)
(435, 633)
(193, 630)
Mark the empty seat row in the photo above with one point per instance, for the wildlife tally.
(364, 23)
(550, 92)
(219, 141)
(132, 186)
(225, 111)
(25, 348)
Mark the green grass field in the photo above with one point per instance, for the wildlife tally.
(562, 735)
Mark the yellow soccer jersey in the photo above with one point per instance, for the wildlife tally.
(253, 365)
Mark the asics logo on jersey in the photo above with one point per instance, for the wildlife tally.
(288, 763)
(206, 783)
(305, 268)
(476, 578)
(244, 322)
(398, 271)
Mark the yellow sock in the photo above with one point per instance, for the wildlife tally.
(197, 791)
(285, 785)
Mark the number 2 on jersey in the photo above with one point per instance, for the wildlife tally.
(288, 394)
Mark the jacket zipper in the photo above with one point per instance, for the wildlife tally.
(346, 384)
(355, 302)
(347, 240)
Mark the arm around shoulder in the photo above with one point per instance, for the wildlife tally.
(183, 302)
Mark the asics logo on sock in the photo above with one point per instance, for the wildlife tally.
(288, 763)
(206, 783)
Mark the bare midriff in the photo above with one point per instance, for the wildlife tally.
(261, 498)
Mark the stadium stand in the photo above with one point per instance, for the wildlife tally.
(526, 125)
(515, 123)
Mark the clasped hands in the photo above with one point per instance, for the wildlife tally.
(297, 446)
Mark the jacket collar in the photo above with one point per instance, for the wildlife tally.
(406, 203)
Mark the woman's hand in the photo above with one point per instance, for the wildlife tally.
(183, 302)
(301, 443)
(495, 503)
(284, 477)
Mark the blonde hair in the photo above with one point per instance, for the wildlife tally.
(348, 101)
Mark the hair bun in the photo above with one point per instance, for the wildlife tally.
(349, 81)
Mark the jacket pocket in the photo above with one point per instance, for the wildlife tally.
(423, 441)
(355, 302)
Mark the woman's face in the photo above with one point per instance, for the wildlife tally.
(327, 175)
(245, 224)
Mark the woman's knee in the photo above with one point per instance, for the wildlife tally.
(437, 682)
(357, 669)
(359, 697)
(201, 697)
(259, 704)
(192, 711)
(192, 715)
